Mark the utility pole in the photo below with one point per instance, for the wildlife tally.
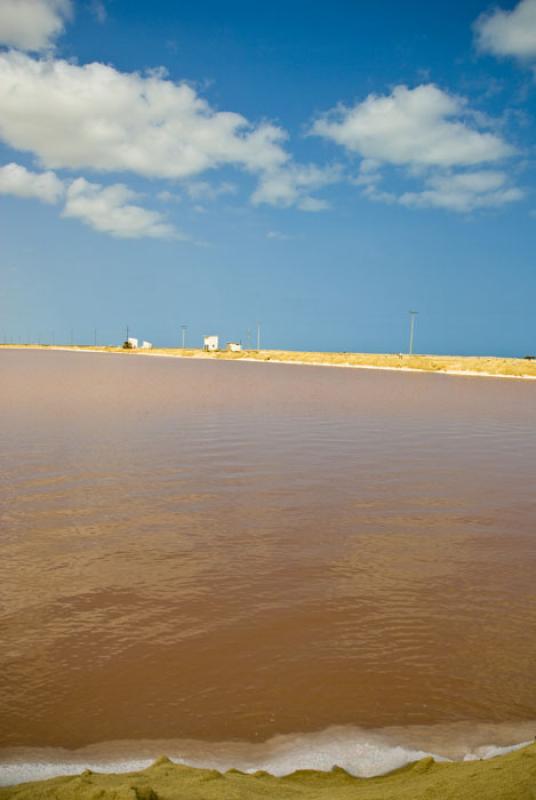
(72, 337)
(412, 315)
(258, 335)
(95, 336)
(184, 328)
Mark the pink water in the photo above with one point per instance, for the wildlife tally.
(217, 551)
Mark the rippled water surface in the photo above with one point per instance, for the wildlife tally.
(221, 550)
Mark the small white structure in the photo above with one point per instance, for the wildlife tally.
(146, 345)
(211, 343)
(234, 347)
(132, 342)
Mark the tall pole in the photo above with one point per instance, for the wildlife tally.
(95, 336)
(258, 335)
(184, 328)
(412, 315)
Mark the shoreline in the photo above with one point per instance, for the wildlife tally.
(510, 776)
(428, 364)
(363, 753)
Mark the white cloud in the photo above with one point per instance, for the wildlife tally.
(109, 210)
(169, 197)
(32, 24)
(427, 135)
(312, 204)
(291, 186)
(96, 117)
(465, 191)
(424, 126)
(17, 180)
(106, 209)
(509, 33)
(373, 192)
(202, 190)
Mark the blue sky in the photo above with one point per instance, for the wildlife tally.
(322, 168)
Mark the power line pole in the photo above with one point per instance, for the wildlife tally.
(95, 336)
(412, 315)
(184, 328)
(258, 335)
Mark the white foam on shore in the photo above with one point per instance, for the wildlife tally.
(361, 752)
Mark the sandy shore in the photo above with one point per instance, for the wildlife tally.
(474, 366)
(507, 777)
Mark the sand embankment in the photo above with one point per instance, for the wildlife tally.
(507, 777)
(480, 366)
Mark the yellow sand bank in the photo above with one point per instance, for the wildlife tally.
(452, 365)
(508, 777)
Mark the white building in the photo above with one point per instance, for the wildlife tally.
(146, 345)
(211, 343)
(234, 347)
(132, 342)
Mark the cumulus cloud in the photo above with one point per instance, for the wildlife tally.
(424, 126)
(110, 210)
(96, 117)
(21, 182)
(291, 186)
(425, 134)
(106, 209)
(464, 192)
(32, 24)
(509, 33)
